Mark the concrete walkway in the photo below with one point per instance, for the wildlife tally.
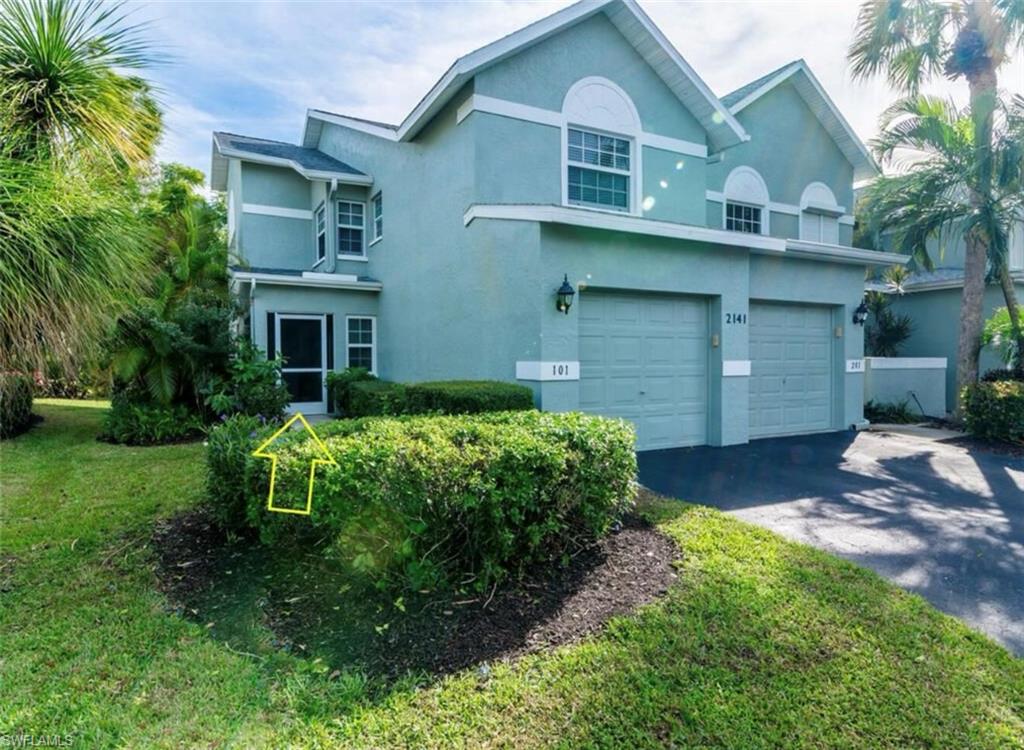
(936, 519)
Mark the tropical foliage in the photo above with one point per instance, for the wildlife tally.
(885, 331)
(963, 169)
(77, 129)
(998, 334)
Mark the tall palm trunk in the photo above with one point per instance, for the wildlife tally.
(1010, 295)
(972, 302)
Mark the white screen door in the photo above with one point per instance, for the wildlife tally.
(302, 342)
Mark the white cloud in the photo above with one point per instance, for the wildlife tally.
(256, 68)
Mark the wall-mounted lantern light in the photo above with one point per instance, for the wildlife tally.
(563, 298)
(860, 314)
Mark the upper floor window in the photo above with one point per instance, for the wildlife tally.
(746, 202)
(740, 217)
(351, 225)
(320, 222)
(360, 344)
(598, 170)
(819, 214)
(378, 216)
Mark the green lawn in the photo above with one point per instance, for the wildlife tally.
(763, 643)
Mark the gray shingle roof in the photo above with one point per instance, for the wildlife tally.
(307, 158)
(739, 94)
(918, 278)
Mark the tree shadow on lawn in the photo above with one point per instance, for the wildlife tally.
(297, 599)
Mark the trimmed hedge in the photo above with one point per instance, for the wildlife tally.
(376, 398)
(439, 500)
(467, 397)
(129, 423)
(995, 410)
(15, 404)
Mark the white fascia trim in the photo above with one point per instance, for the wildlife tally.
(843, 254)
(620, 222)
(783, 208)
(735, 368)
(690, 73)
(784, 75)
(329, 276)
(467, 66)
(906, 363)
(345, 178)
(350, 122)
(715, 195)
(516, 111)
(337, 281)
(281, 211)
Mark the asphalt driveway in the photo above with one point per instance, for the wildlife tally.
(934, 518)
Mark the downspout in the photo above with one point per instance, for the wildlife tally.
(252, 311)
(332, 235)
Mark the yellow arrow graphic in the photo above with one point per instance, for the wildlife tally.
(262, 453)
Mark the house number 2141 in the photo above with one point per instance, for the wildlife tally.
(735, 319)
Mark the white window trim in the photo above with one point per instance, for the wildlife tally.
(632, 209)
(278, 317)
(832, 211)
(322, 206)
(337, 225)
(373, 339)
(373, 218)
(765, 206)
(762, 221)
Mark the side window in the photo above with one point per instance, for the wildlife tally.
(819, 214)
(320, 223)
(360, 343)
(351, 225)
(378, 216)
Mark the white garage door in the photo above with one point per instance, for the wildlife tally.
(790, 369)
(644, 357)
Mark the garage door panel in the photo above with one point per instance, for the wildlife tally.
(651, 364)
(791, 369)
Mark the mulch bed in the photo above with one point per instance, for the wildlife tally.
(552, 605)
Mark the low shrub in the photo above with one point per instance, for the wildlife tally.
(439, 500)
(339, 383)
(376, 398)
(253, 386)
(15, 404)
(467, 397)
(890, 413)
(994, 376)
(995, 411)
(131, 423)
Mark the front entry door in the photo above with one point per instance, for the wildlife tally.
(303, 345)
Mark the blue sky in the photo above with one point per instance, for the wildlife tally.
(254, 68)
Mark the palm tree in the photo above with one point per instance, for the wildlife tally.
(913, 40)
(75, 134)
(934, 194)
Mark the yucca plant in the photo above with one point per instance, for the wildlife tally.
(75, 133)
(912, 41)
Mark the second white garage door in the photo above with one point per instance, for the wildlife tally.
(644, 357)
(790, 369)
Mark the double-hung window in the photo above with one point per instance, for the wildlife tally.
(598, 170)
(740, 217)
(320, 221)
(351, 226)
(378, 216)
(360, 343)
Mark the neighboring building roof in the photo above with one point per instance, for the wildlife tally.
(819, 102)
(309, 162)
(926, 281)
(722, 127)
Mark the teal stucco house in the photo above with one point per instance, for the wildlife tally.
(707, 240)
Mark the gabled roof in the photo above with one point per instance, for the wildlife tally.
(819, 102)
(309, 162)
(723, 129)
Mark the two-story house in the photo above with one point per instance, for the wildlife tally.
(707, 240)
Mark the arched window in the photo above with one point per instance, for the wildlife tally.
(600, 162)
(819, 214)
(746, 202)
